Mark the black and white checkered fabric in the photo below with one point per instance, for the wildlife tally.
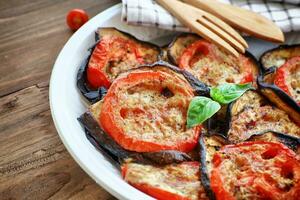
(285, 13)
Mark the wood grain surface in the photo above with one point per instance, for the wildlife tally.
(34, 164)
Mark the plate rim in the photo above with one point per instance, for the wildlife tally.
(112, 190)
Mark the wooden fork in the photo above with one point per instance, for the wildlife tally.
(245, 20)
(206, 25)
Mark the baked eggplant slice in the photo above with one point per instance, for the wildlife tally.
(253, 114)
(279, 55)
(115, 152)
(209, 145)
(255, 170)
(163, 175)
(273, 136)
(161, 83)
(170, 182)
(210, 64)
(145, 110)
(179, 44)
(280, 79)
(200, 89)
(113, 53)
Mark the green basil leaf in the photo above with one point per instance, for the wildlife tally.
(200, 109)
(229, 92)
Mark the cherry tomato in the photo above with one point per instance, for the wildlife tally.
(76, 18)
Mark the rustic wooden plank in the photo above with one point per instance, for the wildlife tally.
(33, 162)
(31, 35)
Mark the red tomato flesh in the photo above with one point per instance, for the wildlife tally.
(139, 117)
(287, 78)
(214, 67)
(255, 170)
(111, 56)
(170, 182)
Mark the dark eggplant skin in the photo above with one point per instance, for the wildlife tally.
(94, 95)
(278, 96)
(282, 52)
(200, 89)
(178, 44)
(220, 123)
(115, 152)
(266, 84)
(119, 155)
(89, 93)
(208, 145)
(252, 99)
(98, 36)
(272, 136)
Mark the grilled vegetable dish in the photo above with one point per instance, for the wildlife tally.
(196, 129)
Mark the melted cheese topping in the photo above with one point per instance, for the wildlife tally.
(253, 121)
(212, 144)
(151, 116)
(242, 169)
(251, 99)
(293, 82)
(279, 57)
(181, 179)
(152, 110)
(222, 68)
(125, 54)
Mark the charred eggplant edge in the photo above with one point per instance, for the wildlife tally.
(281, 95)
(200, 89)
(280, 47)
(170, 57)
(118, 155)
(288, 140)
(229, 117)
(97, 38)
(229, 114)
(205, 180)
(291, 142)
(81, 81)
(174, 62)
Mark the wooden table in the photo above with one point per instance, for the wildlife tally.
(34, 164)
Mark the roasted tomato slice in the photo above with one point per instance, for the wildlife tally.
(256, 170)
(212, 66)
(287, 78)
(111, 56)
(170, 182)
(146, 111)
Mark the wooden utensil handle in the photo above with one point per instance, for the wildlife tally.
(245, 20)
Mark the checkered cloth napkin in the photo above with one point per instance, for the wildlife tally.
(285, 13)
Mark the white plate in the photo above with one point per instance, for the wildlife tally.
(67, 105)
